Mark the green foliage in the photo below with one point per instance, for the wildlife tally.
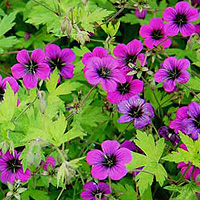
(181, 155)
(153, 152)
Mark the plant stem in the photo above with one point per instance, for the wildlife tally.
(61, 154)
(60, 194)
(23, 111)
(88, 94)
(124, 130)
(155, 129)
(192, 91)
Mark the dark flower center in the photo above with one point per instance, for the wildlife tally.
(104, 72)
(130, 59)
(109, 161)
(157, 34)
(98, 193)
(13, 165)
(196, 122)
(180, 19)
(174, 73)
(57, 62)
(31, 67)
(123, 88)
(1, 93)
(135, 112)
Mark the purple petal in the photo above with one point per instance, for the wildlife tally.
(110, 146)
(123, 155)
(23, 57)
(156, 23)
(182, 7)
(118, 76)
(124, 107)
(187, 30)
(171, 29)
(12, 82)
(134, 47)
(114, 97)
(124, 119)
(7, 176)
(150, 43)
(104, 188)
(120, 51)
(30, 81)
(161, 75)
(148, 110)
(182, 112)
(94, 157)
(100, 52)
(23, 176)
(136, 86)
(193, 110)
(183, 64)
(90, 186)
(67, 71)
(145, 31)
(38, 56)
(117, 172)
(67, 55)
(108, 84)
(92, 76)
(193, 14)
(169, 85)
(86, 57)
(52, 51)
(170, 63)
(141, 122)
(169, 14)
(42, 71)
(167, 42)
(86, 195)
(99, 172)
(18, 71)
(183, 77)
(141, 58)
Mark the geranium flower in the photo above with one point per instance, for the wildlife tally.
(125, 90)
(142, 14)
(60, 59)
(179, 19)
(172, 71)
(104, 71)
(111, 162)
(11, 168)
(137, 110)
(50, 163)
(12, 82)
(94, 191)
(128, 54)
(154, 34)
(30, 68)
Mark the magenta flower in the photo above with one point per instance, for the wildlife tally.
(137, 110)
(12, 82)
(179, 19)
(154, 34)
(197, 28)
(128, 54)
(30, 68)
(111, 162)
(97, 52)
(11, 168)
(125, 90)
(142, 14)
(187, 120)
(60, 59)
(172, 71)
(104, 71)
(49, 164)
(94, 191)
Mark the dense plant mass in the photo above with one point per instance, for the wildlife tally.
(99, 99)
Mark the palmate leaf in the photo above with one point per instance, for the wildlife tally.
(150, 161)
(181, 155)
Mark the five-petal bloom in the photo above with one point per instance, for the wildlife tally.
(104, 71)
(137, 110)
(179, 19)
(30, 68)
(111, 162)
(128, 54)
(125, 90)
(95, 191)
(172, 71)
(60, 59)
(154, 34)
(11, 168)
(12, 82)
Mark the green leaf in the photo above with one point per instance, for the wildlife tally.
(181, 155)
(193, 83)
(39, 194)
(150, 161)
(147, 194)
(8, 105)
(8, 42)
(7, 23)
(52, 82)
